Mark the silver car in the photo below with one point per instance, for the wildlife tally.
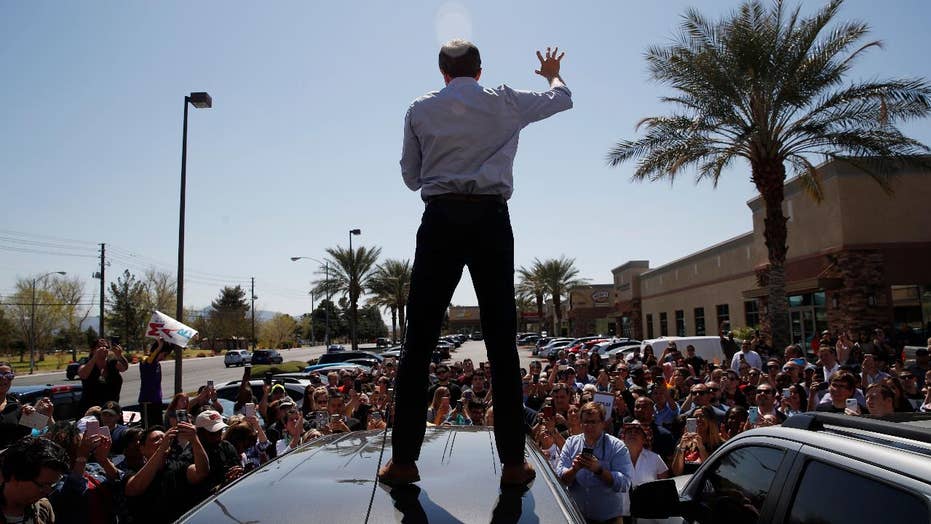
(237, 357)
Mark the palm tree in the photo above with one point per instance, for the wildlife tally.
(766, 86)
(349, 275)
(533, 286)
(560, 276)
(391, 285)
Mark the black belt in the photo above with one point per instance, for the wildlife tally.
(466, 197)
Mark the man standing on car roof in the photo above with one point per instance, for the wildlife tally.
(459, 148)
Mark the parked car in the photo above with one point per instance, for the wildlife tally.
(477, 336)
(554, 346)
(334, 476)
(334, 348)
(66, 398)
(383, 342)
(266, 356)
(323, 369)
(237, 357)
(880, 470)
(71, 372)
(293, 386)
(329, 358)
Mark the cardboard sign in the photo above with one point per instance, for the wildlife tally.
(606, 400)
(170, 330)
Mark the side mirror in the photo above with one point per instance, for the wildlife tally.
(655, 500)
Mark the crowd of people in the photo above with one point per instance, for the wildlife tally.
(604, 426)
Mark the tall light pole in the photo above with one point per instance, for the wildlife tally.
(353, 277)
(199, 100)
(32, 321)
(326, 284)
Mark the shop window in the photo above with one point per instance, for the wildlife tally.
(752, 313)
(663, 325)
(699, 321)
(680, 323)
(649, 326)
(724, 316)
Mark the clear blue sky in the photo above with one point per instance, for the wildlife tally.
(303, 141)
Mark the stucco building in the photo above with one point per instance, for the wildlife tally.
(859, 259)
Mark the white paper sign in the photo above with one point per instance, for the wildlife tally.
(34, 420)
(170, 330)
(606, 400)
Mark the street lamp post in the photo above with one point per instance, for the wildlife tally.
(32, 321)
(353, 276)
(326, 284)
(199, 100)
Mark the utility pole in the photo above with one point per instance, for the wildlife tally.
(100, 275)
(252, 294)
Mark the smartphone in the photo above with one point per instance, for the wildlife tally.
(536, 379)
(741, 356)
(786, 392)
(549, 411)
(335, 418)
(375, 415)
(268, 378)
(320, 419)
(114, 340)
(91, 428)
(247, 371)
(822, 386)
(588, 452)
(753, 414)
(357, 385)
(459, 405)
(182, 415)
(852, 404)
(105, 431)
(249, 409)
(691, 425)
(210, 384)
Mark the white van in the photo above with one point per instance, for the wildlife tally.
(708, 348)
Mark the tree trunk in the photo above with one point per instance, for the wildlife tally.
(769, 178)
(394, 324)
(557, 316)
(540, 311)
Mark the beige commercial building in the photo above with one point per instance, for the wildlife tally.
(859, 259)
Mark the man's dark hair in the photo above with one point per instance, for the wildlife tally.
(151, 429)
(460, 58)
(26, 457)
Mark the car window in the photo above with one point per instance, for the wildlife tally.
(736, 486)
(858, 499)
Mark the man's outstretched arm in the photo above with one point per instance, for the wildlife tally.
(534, 106)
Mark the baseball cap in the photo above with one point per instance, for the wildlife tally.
(277, 387)
(209, 420)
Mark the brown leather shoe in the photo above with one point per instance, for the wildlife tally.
(517, 474)
(394, 474)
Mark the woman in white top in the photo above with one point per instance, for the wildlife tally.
(648, 466)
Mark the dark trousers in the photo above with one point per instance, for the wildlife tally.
(453, 234)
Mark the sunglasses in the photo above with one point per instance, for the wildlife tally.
(8, 376)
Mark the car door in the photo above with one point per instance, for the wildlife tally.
(828, 487)
(743, 483)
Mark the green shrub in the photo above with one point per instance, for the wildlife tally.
(288, 366)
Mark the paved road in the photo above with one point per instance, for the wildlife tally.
(197, 371)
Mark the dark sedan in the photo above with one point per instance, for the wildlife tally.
(332, 479)
(266, 356)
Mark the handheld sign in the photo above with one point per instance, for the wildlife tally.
(606, 400)
(170, 330)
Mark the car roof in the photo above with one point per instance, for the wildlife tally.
(334, 477)
(905, 456)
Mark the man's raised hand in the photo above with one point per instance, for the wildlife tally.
(549, 66)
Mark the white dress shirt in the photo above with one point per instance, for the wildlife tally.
(463, 138)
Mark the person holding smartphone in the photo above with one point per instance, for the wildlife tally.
(101, 378)
(596, 467)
